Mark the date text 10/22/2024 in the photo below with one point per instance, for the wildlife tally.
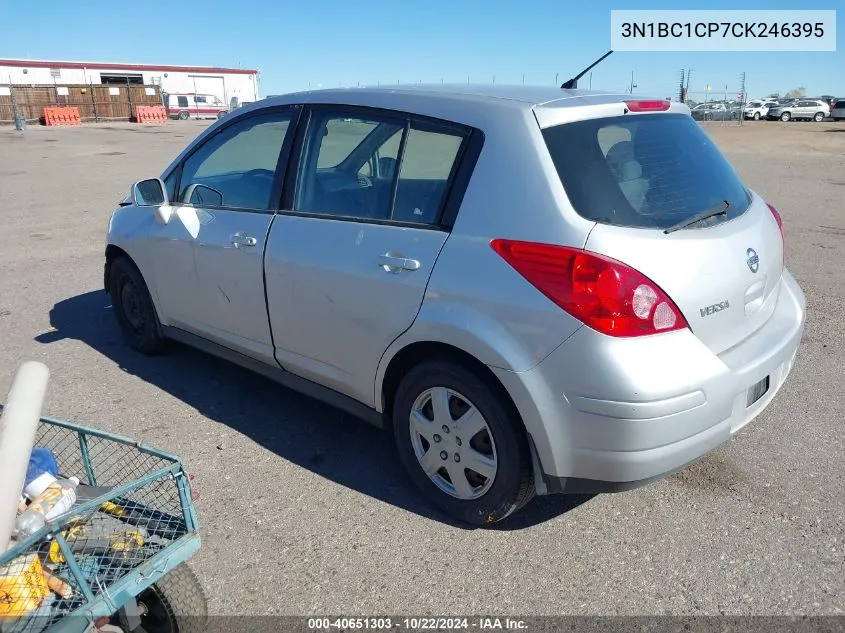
(417, 624)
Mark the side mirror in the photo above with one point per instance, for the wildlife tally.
(149, 193)
(203, 196)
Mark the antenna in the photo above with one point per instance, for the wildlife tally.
(573, 83)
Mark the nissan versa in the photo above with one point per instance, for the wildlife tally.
(535, 290)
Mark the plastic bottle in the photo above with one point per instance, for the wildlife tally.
(54, 499)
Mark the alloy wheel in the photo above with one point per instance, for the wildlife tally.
(453, 443)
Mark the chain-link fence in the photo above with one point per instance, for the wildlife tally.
(722, 105)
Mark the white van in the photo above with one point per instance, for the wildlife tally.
(195, 106)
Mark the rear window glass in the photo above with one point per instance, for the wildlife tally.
(644, 171)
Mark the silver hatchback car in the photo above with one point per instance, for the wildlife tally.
(535, 290)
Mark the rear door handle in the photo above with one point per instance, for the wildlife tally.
(394, 263)
(241, 239)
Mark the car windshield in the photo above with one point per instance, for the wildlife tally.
(644, 171)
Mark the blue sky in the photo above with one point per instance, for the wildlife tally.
(334, 42)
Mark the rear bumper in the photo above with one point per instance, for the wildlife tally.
(608, 414)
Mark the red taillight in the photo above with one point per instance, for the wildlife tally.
(603, 293)
(648, 105)
(777, 218)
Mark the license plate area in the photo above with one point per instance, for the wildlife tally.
(757, 391)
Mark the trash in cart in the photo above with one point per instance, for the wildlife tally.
(95, 530)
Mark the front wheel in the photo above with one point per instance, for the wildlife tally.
(756, 116)
(461, 443)
(175, 604)
(133, 308)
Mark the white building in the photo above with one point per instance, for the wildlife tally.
(226, 83)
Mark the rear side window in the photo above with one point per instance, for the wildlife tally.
(643, 171)
(182, 101)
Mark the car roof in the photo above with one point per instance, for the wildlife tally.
(471, 95)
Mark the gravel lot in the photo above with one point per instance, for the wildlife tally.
(305, 510)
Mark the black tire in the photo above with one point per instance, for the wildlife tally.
(786, 116)
(513, 483)
(183, 116)
(175, 604)
(819, 117)
(756, 116)
(220, 115)
(133, 308)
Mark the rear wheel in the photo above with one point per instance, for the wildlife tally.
(133, 308)
(183, 115)
(785, 116)
(819, 117)
(461, 444)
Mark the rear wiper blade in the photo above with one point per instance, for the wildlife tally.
(720, 209)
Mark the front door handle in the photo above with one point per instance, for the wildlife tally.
(241, 239)
(393, 263)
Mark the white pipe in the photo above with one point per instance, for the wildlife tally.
(18, 425)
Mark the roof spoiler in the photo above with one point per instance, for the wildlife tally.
(571, 84)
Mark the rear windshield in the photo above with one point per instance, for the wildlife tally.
(644, 171)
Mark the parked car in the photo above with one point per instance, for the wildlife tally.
(715, 111)
(837, 110)
(195, 106)
(802, 109)
(537, 290)
(758, 109)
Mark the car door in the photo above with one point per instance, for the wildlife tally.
(352, 250)
(229, 188)
(802, 109)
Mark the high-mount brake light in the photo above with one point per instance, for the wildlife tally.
(648, 105)
(603, 293)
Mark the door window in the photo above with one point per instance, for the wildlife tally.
(182, 101)
(339, 173)
(236, 168)
(376, 168)
(427, 165)
(199, 99)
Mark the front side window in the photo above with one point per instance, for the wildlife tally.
(182, 101)
(199, 99)
(236, 167)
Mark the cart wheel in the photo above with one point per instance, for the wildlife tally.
(175, 604)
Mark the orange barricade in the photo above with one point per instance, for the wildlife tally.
(150, 114)
(61, 115)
